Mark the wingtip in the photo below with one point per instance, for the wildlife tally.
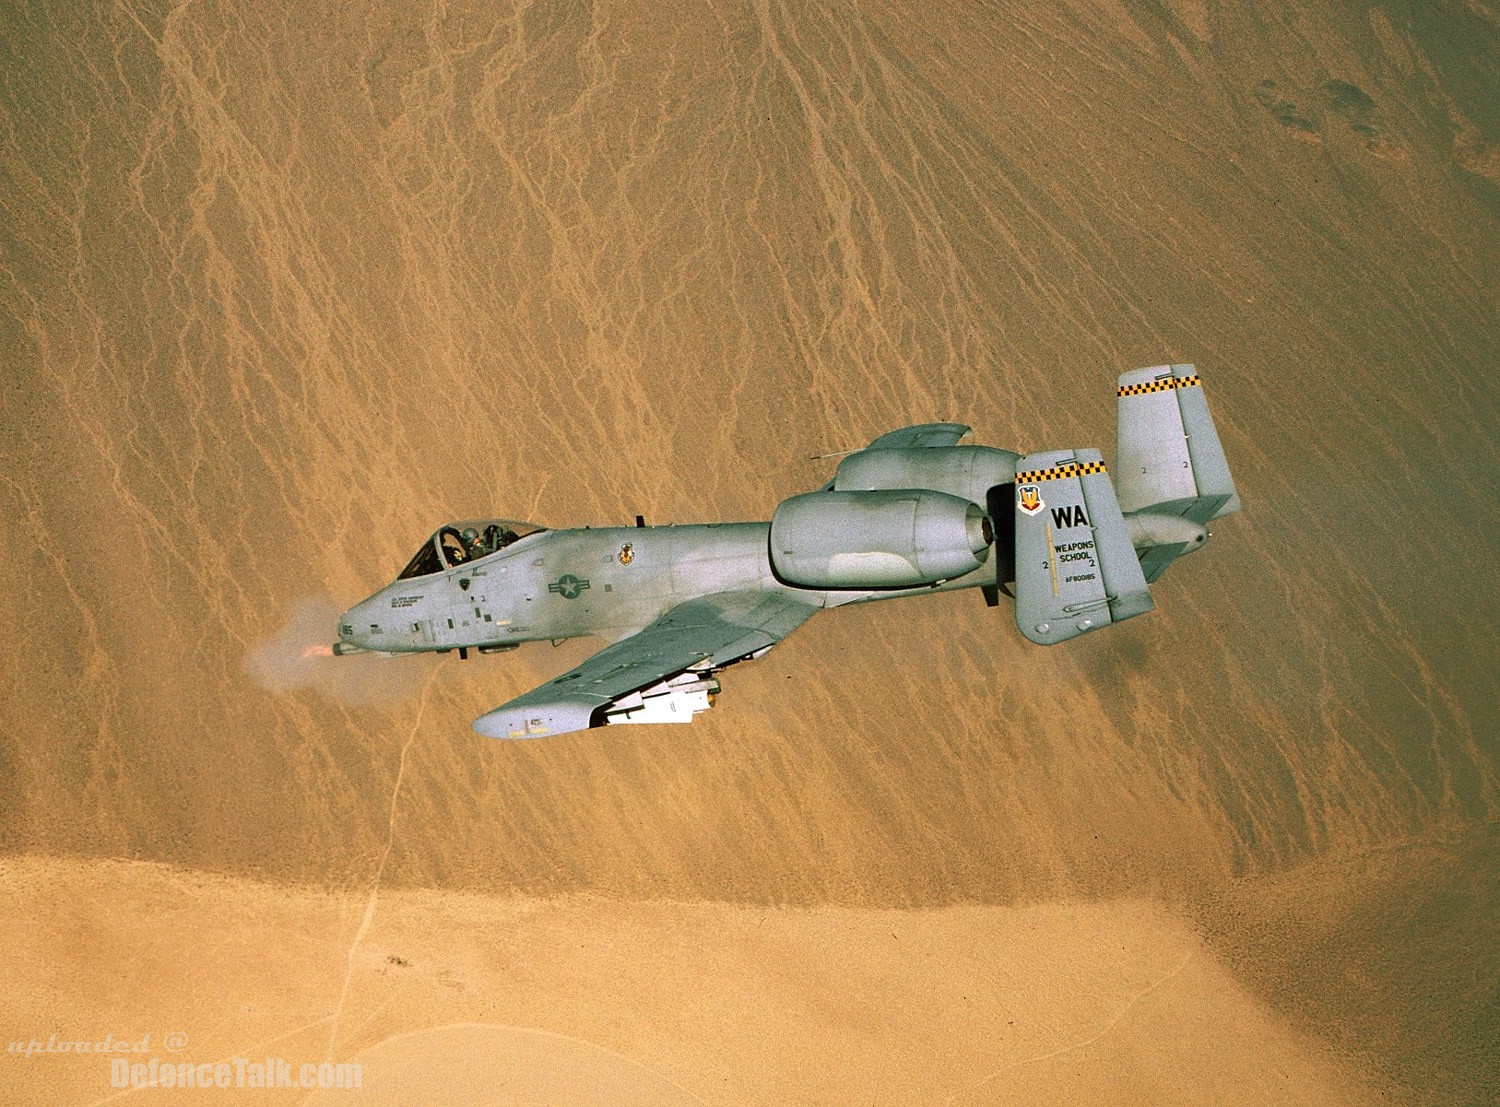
(489, 726)
(522, 720)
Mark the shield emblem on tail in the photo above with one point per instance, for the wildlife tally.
(1029, 499)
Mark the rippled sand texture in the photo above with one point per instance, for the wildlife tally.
(286, 285)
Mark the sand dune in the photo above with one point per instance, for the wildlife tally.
(285, 286)
(455, 998)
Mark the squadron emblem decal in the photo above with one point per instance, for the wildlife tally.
(627, 554)
(1029, 499)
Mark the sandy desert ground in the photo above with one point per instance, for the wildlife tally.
(287, 285)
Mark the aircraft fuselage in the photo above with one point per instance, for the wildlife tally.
(605, 581)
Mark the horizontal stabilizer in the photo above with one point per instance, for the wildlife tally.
(1160, 540)
(1076, 569)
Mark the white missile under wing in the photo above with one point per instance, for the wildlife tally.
(661, 674)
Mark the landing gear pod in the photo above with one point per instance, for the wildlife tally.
(877, 539)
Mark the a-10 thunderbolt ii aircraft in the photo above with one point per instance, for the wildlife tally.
(912, 513)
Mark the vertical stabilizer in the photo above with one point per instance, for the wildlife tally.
(1075, 568)
(1169, 460)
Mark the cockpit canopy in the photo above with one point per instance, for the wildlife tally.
(468, 540)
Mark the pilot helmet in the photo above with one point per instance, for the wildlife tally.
(469, 535)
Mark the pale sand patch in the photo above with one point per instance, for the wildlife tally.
(456, 998)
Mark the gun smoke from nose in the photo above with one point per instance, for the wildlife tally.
(299, 655)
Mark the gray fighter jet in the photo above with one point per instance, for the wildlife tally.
(913, 512)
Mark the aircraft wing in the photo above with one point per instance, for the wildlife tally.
(924, 434)
(663, 673)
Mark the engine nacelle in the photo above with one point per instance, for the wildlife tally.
(877, 539)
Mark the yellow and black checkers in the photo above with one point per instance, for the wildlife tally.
(1158, 386)
(1060, 472)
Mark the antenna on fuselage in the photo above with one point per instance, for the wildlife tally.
(640, 520)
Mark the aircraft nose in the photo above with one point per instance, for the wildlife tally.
(355, 626)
